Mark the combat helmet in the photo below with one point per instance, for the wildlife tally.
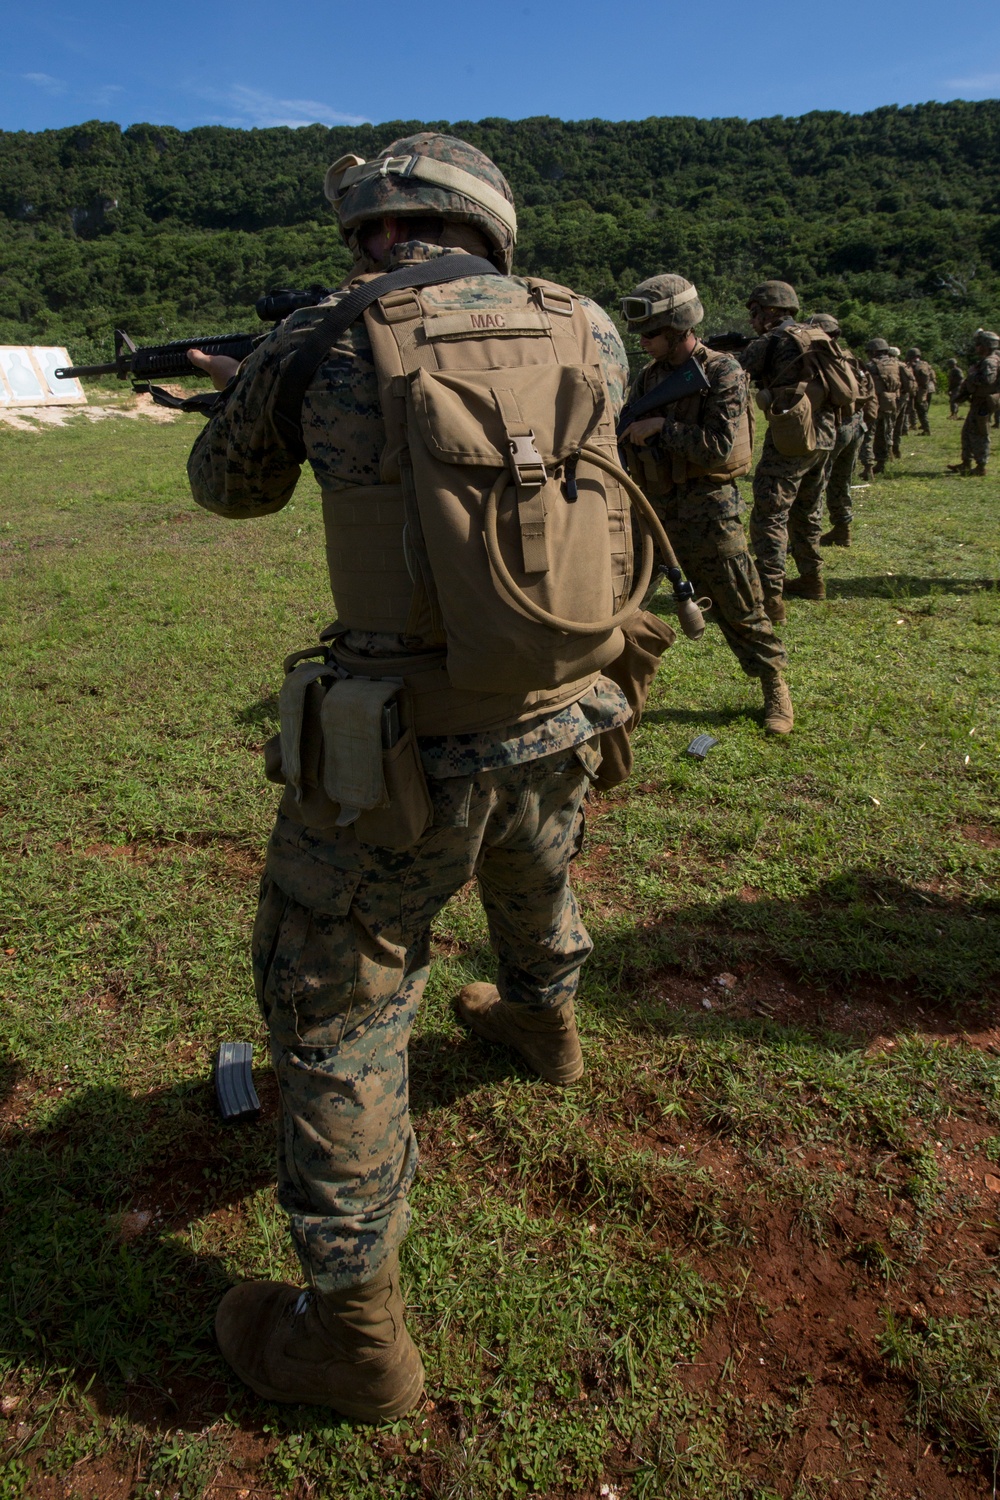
(774, 294)
(663, 302)
(894, 350)
(426, 174)
(877, 346)
(986, 338)
(914, 353)
(826, 321)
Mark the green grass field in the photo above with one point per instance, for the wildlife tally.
(753, 1255)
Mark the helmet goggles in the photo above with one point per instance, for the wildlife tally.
(641, 309)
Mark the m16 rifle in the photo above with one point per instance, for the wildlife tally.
(141, 364)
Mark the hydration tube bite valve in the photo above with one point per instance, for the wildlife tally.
(692, 621)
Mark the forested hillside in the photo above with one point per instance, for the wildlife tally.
(890, 218)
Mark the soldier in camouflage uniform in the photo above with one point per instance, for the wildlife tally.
(884, 369)
(341, 943)
(981, 388)
(955, 377)
(686, 460)
(839, 470)
(905, 411)
(923, 374)
(787, 514)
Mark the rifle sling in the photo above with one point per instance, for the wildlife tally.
(297, 375)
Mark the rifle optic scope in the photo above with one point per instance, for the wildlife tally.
(280, 301)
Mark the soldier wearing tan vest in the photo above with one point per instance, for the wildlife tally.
(884, 369)
(788, 478)
(460, 423)
(851, 432)
(687, 459)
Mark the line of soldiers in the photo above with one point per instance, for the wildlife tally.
(688, 459)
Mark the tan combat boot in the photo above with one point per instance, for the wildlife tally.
(774, 608)
(547, 1040)
(778, 715)
(807, 586)
(979, 472)
(347, 1349)
(962, 468)
(839, 535)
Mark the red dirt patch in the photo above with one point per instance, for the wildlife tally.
(983, 834)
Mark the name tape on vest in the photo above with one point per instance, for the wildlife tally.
(486, 322)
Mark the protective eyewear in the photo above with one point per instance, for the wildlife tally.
(638, 309)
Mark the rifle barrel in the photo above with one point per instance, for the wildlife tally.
(70, 372)
(167, 361)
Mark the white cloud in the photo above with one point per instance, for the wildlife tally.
(253, 107)
(982, 84)
(45, 81)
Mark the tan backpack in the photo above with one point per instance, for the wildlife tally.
(884, 370)
(508, 528)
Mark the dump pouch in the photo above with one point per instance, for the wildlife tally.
(790, 420)
(333, 757)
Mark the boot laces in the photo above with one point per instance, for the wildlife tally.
(302, 1303)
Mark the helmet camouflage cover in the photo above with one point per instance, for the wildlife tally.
(894, 350)
(774, 294)
(671, 302)
(986, 338)
(877, 346)
(826, 321)
(423, 175)
(913, 353)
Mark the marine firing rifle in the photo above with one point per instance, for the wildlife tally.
(170, 361)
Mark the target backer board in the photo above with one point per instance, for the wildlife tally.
(27, 377)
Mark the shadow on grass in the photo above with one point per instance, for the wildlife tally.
(903, 586)
(260, 715)
(100, 1272)
(714, 716)
(859, 926)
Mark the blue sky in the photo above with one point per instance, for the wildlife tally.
(251, 63)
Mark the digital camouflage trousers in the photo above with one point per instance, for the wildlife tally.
(976, 433)
(341, 954)
(721, 568)
(840, 472)
(885, 426)
(787, 513)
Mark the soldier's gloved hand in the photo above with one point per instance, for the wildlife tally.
(219, 368)
(643, 431)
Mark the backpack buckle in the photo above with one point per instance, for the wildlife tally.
(526, 462)
(552, 301)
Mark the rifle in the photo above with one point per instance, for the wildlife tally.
(170, 361)
(729, 343)
(689, 379)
